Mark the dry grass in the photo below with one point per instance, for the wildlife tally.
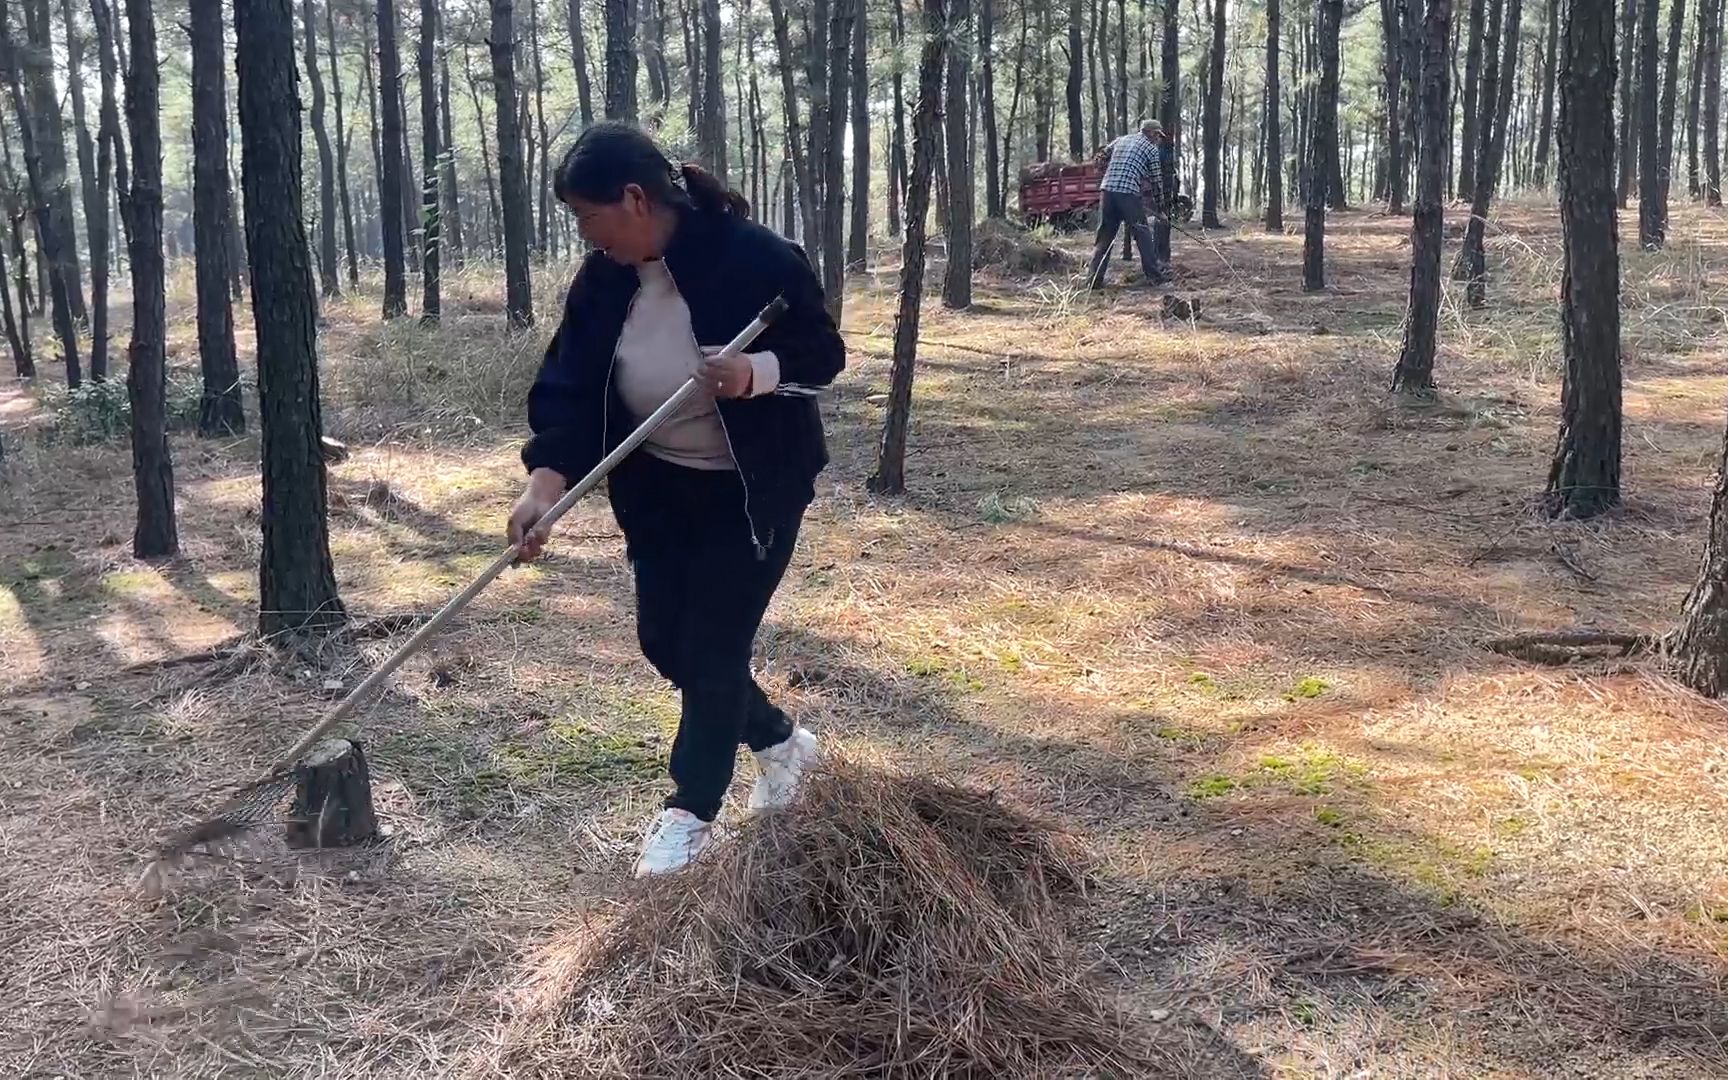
(886, 927)
(1194, 589)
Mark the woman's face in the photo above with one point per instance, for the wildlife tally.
(625, 230)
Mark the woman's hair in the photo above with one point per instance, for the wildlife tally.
(610, 156)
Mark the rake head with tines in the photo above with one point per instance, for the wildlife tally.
(255, 804)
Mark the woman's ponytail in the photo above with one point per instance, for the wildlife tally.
(709, 195)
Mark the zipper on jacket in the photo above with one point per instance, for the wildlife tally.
(725, 433)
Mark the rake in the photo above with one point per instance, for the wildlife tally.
(254, 804)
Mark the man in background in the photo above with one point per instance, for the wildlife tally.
(1133, 174)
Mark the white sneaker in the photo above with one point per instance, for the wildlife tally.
(677, 837)
(780, 769)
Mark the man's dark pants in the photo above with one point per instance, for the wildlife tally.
(1116, 209)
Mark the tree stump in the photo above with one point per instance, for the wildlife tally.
(332, 798)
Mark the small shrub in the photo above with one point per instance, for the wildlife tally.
(1307, 688)
(95, 412)
(100, 412)
(1212, 787)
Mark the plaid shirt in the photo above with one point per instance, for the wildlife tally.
(1134, 169)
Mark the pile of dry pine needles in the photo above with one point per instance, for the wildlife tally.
(883, 927)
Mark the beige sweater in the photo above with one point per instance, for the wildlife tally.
(657, 352)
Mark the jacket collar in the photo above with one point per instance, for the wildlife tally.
(690, 257)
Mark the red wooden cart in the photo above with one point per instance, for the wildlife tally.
(1060, 194)
(1066, 196)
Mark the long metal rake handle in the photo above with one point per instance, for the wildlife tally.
(347, 705)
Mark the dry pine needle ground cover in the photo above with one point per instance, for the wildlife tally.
(1192, 588)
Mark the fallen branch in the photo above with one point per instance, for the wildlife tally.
(1568, 647)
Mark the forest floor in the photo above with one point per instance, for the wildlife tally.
(1196, 589)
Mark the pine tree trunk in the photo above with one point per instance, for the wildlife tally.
(1628, 99)
(45, 101)
(1331, 14)
(411, 223)
(822, 122)
(451, 215)
(496, 232)
(994, 204)
(328, 281)
(1415, 371)
(375, 217)
(1411, 70)
(620, 63)
(1543, 134)
(1467, 152)
(889, 477)
(962, 196)
(112, 174)
(1170, 75)
(1274, 136)
(692, 34)
(758, 130)
(1213, 120)
(1102, 87)
(1122, 79)
(49, 237)
(1472, 265)
(1004, 160)
(431, 211)
(579, 60)
(713, 113)
(1042, 84)
(1649, 149)
(156, 535)
(803, 168)
(1713, 109)
(220, 412)
(97, 217)
(22, 361)
(1584, 479)
(1694, 95)
(1670, 87)
(652, 20)
(341, 145)
(390, 179)
(513, 183)
(1076, 79)
(297, 583)
(543, 238)
(1092, 98)
(236, 242)
(1392, 69)
(840, 15)
(95, 204)
(1697, 649)
(858, 236)
(897, 139)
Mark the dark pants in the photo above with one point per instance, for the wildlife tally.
(701, 590)
(1115, 210)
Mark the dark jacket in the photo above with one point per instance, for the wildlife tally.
(727, 269)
